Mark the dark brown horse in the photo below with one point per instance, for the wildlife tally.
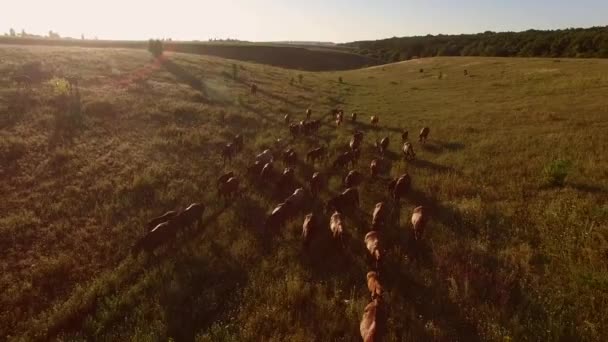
(315, 154)
(309, 229)
(372, 243)
(191, 215)
(316, 183)
(374, 168)
(169, 215)
(401, 187)
(227, 153)
(278, 217)
(420, 218)
(161, 233)
(223, 179)
(380, 215)
(290, 157)
(424, 134)
(354, 178)
(230, 188)
(346, 200)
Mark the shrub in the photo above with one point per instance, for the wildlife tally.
(155, 46)
(60, 86)
(556, 172)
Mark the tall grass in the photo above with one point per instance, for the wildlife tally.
(505, 257)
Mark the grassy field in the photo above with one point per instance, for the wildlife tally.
(301, 57)
(509, 254)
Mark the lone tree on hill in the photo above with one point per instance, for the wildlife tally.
(12, 32)
(155, 46)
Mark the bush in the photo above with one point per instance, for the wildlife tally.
(155, 46)
(556, 172)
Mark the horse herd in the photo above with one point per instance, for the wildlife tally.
(299, 200)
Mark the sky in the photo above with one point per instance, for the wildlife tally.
(294, 20)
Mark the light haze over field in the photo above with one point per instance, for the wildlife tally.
(267, 20)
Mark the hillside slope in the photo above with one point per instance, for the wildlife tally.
(505, 255)
(308, 58)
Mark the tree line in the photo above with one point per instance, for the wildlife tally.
(579, 42)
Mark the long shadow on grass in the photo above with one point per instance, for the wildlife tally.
(196, 301)
(425, 164)
(260, 113)
(269, 94)
(592, 189)
(430, 303)
(184, 76)
(438, 146)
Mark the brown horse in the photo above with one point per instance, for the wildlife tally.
(315, 183)
(372, 243)
(192, 214)
(402, 187)
(419, 221)
(408, 151)
(223, 179)
(371, 325)
(384, 145)
(238, 143)
(168, 216)
(380, 215)
(277, 218)
(374, 168)
(315, 154)
(162, 232)
(309, 229)
(290, 157)
(227, 153)
(287, 179)
(354, 178)
(230, 188)
(346, 200)
(336, 225)
(267, 172)
(373, 285)
(424, 133)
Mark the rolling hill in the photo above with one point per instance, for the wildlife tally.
(509, 254)
(300, 57)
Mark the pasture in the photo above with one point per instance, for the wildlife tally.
(509, 252)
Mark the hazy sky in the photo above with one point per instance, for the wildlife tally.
(268, 20)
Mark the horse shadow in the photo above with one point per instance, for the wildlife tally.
(182, 75)
(425, 164)
(438, 147)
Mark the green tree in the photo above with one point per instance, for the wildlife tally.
(155, 46)
(12, 32)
